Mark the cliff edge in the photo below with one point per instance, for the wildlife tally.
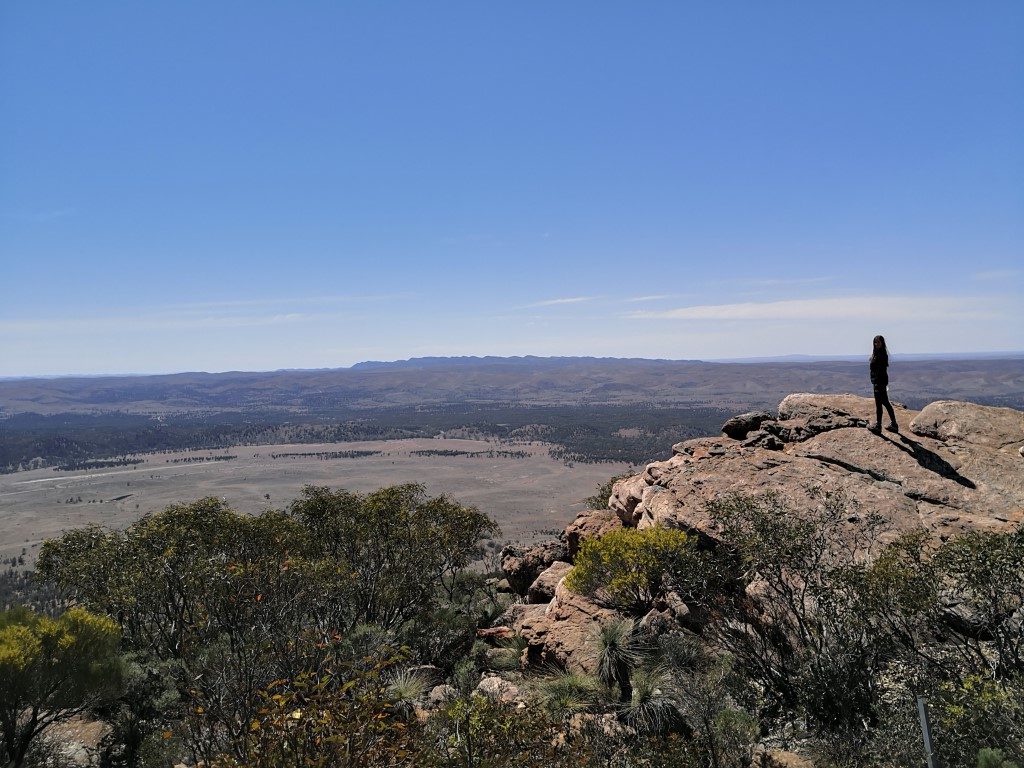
(953, 467)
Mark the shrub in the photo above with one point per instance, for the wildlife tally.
(628, 568)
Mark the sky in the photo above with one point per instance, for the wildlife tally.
(262, 185)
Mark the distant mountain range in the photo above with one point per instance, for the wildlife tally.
(434, 381)
(440, 362)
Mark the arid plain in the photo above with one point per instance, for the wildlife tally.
(529, 496)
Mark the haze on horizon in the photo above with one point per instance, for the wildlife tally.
(255, 186)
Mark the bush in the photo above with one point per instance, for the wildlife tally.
(629, 568)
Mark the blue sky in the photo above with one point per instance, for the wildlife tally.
(249, 185)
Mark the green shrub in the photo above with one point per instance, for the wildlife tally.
(994, 758)
(628, 568)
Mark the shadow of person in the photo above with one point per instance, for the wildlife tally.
(929, 459)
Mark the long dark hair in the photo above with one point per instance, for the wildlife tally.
(879, 352)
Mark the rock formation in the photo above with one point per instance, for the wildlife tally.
(953, 467)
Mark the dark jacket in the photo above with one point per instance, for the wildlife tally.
(880, 370)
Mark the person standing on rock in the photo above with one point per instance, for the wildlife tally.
(880, 384)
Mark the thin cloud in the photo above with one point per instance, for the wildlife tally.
(996, 274)
(559, 302)
(230, 313)
(775, 282)
(881, 308)
(634, 299)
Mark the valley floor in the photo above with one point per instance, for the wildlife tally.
(527, 492)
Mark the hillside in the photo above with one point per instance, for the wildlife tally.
(521, 381)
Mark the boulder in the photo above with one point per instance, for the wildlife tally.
(762, 438)
(494, 633)
(499, 689)
(79, 741)
(656, 622)
(780, 758)
(738, 427)
(956, 422)
(440, 694)
(498, 585)
(543, 588)
(591, 524)
(625, 496)
(522, 565)
(562, 632)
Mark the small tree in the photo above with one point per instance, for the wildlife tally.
(50, 670)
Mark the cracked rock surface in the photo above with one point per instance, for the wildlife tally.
(954, 466)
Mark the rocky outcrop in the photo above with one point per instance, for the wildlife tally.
(591, 524)
(543, 588)
(738, 427)
(522, 565)
(955, 423)
(562, 632)
(499, 689)
(955, 466)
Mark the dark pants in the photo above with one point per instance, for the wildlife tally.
(882, 398)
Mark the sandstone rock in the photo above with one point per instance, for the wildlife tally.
(561, 632)
(522, 565)
(494, 633)
(762, 438)
(781, 758)
(911, 480)
(79, 741)
(675, 605)
(809, 406)
(738, 427)
(440, 694)
(804, 415)
(607, 723)
(543, 588)
(959, 470)
(656, 622)
(516, 614)
(958, 422)
(591, 524)
(499, 689)
(625, 496)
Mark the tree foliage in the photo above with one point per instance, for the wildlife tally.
(395, 544)
(50, 670)
(230, 602)
(797, 620)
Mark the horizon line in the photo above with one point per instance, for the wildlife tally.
(788, 358)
